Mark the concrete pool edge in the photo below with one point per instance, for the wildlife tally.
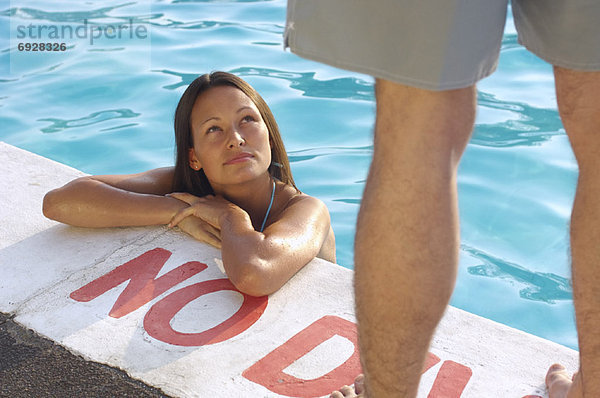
(63, 283)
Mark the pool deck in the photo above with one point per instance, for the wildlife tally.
(154, 303)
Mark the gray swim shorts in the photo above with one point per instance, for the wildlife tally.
(443, 44)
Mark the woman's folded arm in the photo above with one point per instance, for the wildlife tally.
(260, 263)
(114, 200)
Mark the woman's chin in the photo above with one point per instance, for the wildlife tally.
(240, 177)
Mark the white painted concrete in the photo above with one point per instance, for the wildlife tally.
(42, 263)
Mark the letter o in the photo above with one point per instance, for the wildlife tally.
(157, 321)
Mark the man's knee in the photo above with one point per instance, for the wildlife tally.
(430, 123)
(578, 97)
(577, 92)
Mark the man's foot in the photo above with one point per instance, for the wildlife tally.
(560, 385)
(349, 392)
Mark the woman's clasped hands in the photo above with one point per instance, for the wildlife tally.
(201, 219)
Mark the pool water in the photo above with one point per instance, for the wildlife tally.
(106, 105)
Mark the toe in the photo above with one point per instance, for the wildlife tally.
(359, 384)
(555, 372)
(344, 392)
(347, 391)
(558, 381)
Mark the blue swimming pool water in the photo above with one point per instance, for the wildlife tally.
(107, 107)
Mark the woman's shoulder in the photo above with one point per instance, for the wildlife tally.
(311, 209)
(315, 209)
(294, 198)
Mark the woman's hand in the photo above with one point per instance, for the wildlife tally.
(201, 230)
(209, 208)
(258, 263)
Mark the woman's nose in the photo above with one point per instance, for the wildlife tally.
(235, 138)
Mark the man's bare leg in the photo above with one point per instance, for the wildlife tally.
(407, 238)
(578, 95)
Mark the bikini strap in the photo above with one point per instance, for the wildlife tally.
(269, 208)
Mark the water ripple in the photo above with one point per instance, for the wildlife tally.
(61, 16)
(345, 87)
(162, 21)
(531, 125)
(540, 286)
(266, 43)
(349, 201)
(106, 50)
(510, 41)
(186, 78)
(199, 25)
(155, 19)
(219, 1)
(313, 153)
(123, 126)
(94, 118)
(340, 88)
(89, 16)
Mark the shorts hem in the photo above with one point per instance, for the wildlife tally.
(591, 67)
(378, 73)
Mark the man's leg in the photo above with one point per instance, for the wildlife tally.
(407, 238)
(578, 95)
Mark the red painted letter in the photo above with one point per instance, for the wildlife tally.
(268, 372)
(430, 361)
(143, 285)
(157, 321)
(451, 380)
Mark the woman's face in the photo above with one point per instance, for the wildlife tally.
(231, 140)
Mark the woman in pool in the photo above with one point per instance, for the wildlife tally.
(231, 187)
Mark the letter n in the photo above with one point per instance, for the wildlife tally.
(143, 285)
(268, 371)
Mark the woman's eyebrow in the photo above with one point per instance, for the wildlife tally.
(218, 118)
(209, 119)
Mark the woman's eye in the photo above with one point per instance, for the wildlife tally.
(249, 118)
(212, 129)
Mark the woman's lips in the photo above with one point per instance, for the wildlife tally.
(242, 157)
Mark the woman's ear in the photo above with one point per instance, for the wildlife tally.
(193, 160)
